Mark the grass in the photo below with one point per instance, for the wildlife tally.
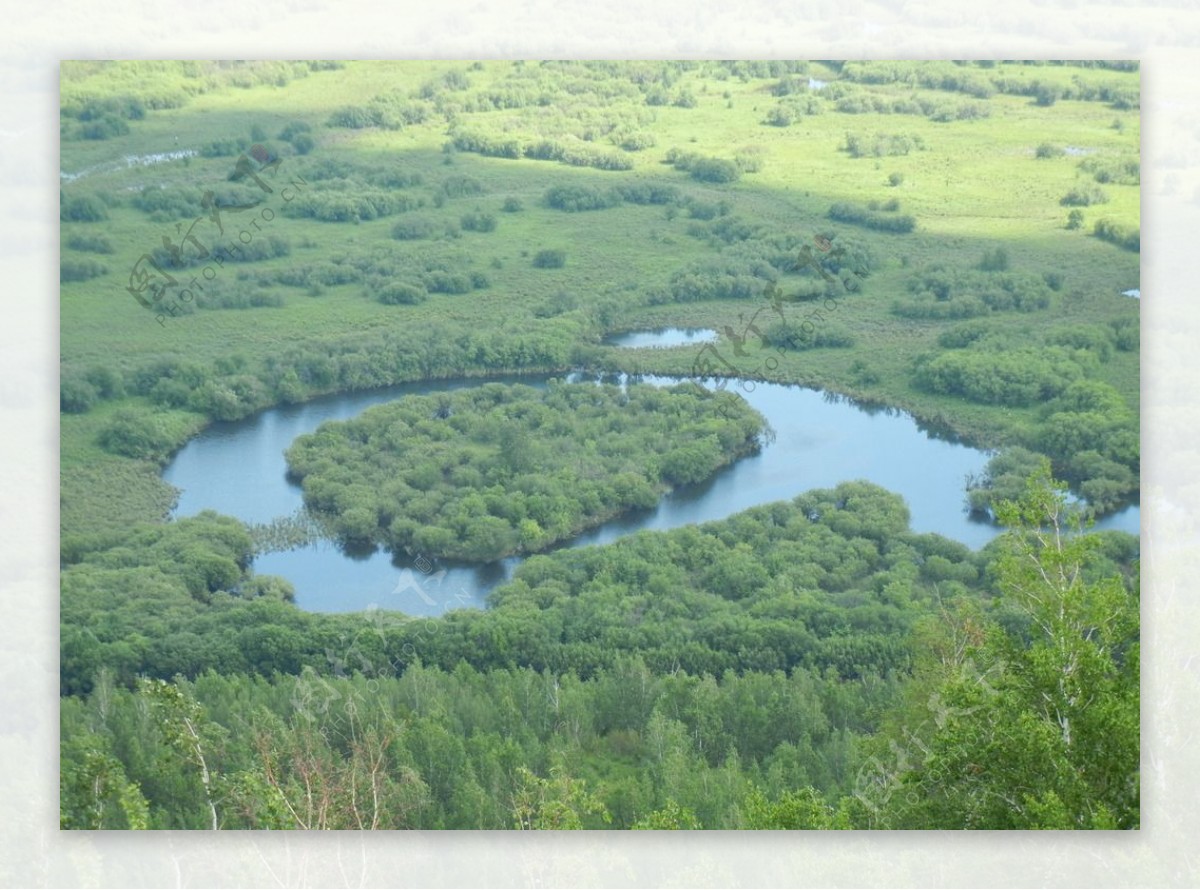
(974, 187)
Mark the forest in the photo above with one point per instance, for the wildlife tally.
(497, 471)
(950, 240)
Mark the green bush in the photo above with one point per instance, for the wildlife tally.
(90, 243)
(1084, 197)
(810, 335)
(478, 221)
(576, 198)
(136, 434)
(553, 258)
(870, 219)
(994, 260)
(415, 228)
(81, 208)
(1121, 236)
(1015, 377)
(402, 293)
(76, 394)
(79, 270)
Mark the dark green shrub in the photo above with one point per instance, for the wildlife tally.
(79, 270)
(81, 208)
(1084, 197)
(478, 222)
(550, 259)
(402, 293)
(90, 243)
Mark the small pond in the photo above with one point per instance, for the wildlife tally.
(663, 338)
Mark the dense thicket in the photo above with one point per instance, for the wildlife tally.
(945, 293)
(768, 647)
(499, 470)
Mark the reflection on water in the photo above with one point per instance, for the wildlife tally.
(820, 440)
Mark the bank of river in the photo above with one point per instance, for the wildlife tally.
(820, 440)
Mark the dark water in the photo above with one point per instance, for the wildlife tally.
(663, 337)
(238, 469)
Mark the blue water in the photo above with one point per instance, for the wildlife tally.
(238, 469)
(663, 337)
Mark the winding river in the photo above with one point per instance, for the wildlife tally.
(238, 469)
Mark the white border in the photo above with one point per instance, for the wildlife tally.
(32, 850)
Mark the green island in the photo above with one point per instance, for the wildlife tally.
(498, 470)
(950, 239)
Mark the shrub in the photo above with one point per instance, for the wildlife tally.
(512, 205)
(461, 187)
(862, 216)
(780, 116)
(478, 222)
(1075, 219)
(402, 293)
(550, 259)
(136, 434)
(1129, 239)
(76, 395)
(1127, 334)
(1084, 197)
(714, 170)
(79, 270)
(575, 198)
(896, 179)
(798, 336)
(1016, 377)
(1046, 150)
(415, 228)
(90, 243)
(994, 260)
(81, 208)
(881, 145)
(294, 129)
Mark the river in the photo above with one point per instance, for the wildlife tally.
(820, 440)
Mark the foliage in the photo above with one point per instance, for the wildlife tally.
(863, 216)
(941, 292)
(80, 270)
(1010, 377)
(550, 258)
(791, 335)
(1122, 236)
(1084, 197)
(1036, 728)
(482, 475)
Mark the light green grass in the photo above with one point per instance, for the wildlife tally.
(975, 187)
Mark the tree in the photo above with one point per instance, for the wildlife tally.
(1034, 723)
(182, 724)
(554, 804)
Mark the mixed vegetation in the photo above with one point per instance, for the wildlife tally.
(949, 238)
(499, 470)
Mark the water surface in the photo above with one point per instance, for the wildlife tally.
(820, 440)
